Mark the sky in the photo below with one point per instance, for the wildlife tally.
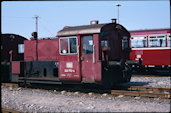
(17, 17)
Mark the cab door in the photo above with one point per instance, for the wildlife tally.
(69, 66)
(87, 58)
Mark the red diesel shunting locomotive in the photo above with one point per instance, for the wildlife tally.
(153, 47)
(95, 53)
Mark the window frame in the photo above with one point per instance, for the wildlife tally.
(156, 35)
(69, 49)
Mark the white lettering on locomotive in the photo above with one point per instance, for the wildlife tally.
(69, 70)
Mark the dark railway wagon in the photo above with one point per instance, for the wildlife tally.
(10, 44)
(95, 53)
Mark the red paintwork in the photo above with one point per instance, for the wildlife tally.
(152, 55)
(82, 70)
(15, 65)
(47, 50)
(91, 71)
(148, 32)
(71, 73)
(30, 50)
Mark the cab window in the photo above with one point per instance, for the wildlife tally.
(88, 44)
(104, 43)
(68, 45)
(125, 43)
(20, 48)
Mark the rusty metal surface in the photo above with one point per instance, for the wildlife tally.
(9, 111)
(10, 85)
(85, 29)
(144, 91)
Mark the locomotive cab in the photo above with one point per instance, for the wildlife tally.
(102, 52)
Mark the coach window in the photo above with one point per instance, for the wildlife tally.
(153, 41)
(168, 41)
(138, 42)
(157, 41)
(161, 41)
(68, 45)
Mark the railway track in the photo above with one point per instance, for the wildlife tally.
(14, 85)
(9, 111)
(144, 91)
(136, 75)
(128, 91)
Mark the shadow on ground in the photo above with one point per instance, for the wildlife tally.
(135, 84)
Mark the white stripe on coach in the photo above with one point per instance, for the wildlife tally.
(151, 48)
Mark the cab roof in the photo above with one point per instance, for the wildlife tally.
(85, 29)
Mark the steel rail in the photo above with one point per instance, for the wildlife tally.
(144, 91)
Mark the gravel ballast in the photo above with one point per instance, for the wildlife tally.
(40, 100)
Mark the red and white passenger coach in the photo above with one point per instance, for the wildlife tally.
(95, 53)
(152, 46)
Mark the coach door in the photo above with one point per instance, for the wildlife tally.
(87, 58)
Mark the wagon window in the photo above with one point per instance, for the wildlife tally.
(169, 41)
(68, 45)
(157, 41)
(20, 48)
(88, 44)
(138, 42)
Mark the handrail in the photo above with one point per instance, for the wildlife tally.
(78, 53)
(93, 54)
